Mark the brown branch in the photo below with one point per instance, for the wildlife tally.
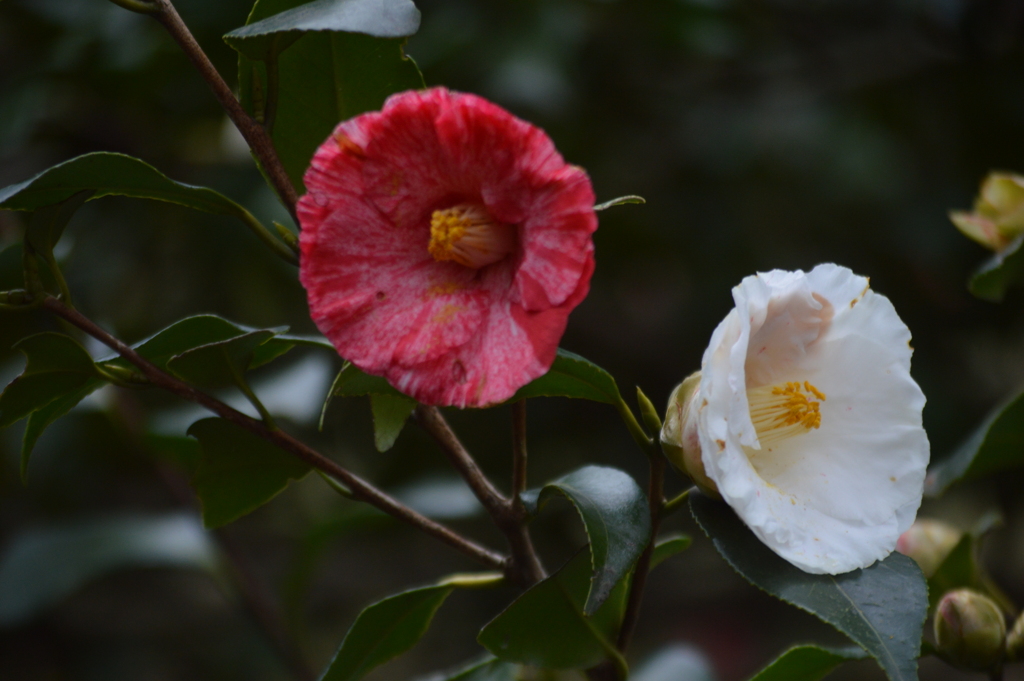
(523, 566)
(523, 553)
(255, 134)
(361, 490)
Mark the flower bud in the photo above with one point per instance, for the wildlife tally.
(928, 542)
(680, 440)
(1015, 641)
(998, 215)
(970, 630)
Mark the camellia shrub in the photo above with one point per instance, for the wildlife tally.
(443, 244)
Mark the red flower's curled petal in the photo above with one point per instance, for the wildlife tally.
(394, 301)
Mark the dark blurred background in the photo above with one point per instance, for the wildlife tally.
(763, 133)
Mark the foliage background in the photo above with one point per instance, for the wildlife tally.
(763, 133)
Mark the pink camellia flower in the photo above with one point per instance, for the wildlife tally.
(444, 243)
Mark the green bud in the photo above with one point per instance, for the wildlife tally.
(970, 630)
(998, 215)
(679, 439)
(1015, 641)
(928, 542)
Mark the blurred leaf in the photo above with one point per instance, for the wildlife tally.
(962, 567)
(1001, 271)
(389, 416)
(572, 376)
(674, 663)
(615, 514)
(219, 364)
(546, 626)
(109, 174)
(351, 382)
(324, 76)
(280, 344)
(182, 336)
(881, 608)
(181, 451)
(40, 419)
(385, 630)
(668, 547)
(57, 366)
(238, 472)
(996, 445)
(43, 566)
(487, 669)
(48, 223)
(808, 663)
(379, 18)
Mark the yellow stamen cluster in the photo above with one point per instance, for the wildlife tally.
(781, 411)
(468, 235)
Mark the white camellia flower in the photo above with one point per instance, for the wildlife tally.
(806, 419)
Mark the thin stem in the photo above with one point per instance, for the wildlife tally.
(518, 451)
(676, 502)
(254, 133)
(655, 500)
(527, 562)
(523, 566)
(361, 490)
(634, 427)
(283, 249)
(243, 385)
(140, 6)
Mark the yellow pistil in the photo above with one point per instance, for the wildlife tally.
(782, 411)
(468, 235)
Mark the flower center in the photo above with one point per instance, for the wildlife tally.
(467, 234)
(780, 412)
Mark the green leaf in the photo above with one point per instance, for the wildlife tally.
(572, 376)
(323, 75)
(1001, 271)
(182, 336)
(487, 669)
(668, 547)
(352, 382)
(615, 514)
(389, 416)
(385, 630)
(57, 366)
(48, 222)
(109, 174)
(546, 626)
(808, 663)
(280, 344)
(238, 472)
(963, 567)
(40, 419)
(881, 608)
(43, 566)
(219, 364)
(997, 444)
(379, 18)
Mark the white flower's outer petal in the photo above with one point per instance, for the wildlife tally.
(835, 498)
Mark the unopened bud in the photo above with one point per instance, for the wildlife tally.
(928, 542)
(970, 630)
(998, 215)
(679, 438)
(1015, 641)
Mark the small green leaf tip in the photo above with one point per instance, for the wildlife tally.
(622, 200)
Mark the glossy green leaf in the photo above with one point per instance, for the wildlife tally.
(219, 364)
(998, 444)
(572, 376)
(57, 366)
(389, 416)
(109, 174)
(1000, 272)
(546, 626)
(324, 76)
(487, 669)
(238, 472)
(615, 515)
(48, 222)
(668, 547)
(385, 630)
(808, 663)
(43, 566)
(379, 18)
(182, 336)
(41, 418)
(881, 608)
